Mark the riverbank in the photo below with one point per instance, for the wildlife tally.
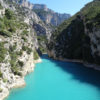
(19, 81)
(94, 66)
(38, 60)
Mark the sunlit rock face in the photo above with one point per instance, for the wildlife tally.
(47, 15)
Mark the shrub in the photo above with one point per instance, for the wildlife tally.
(15, 70)
(1, 90)
(29, 50)
(25, 40)
(10, 25)
(5, 80)
(3, 51)
(12, 63)
(20, 53)
(24, 48)
(12, 48)
(36, 56)
(12, 28)
(5, 33)
(19, 73)
(2, 25)
(20, 63)
(9, 14)
(25, 32)
(0, 74)
(1, 6)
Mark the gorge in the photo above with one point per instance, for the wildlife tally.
(72, 43)
(56, 80)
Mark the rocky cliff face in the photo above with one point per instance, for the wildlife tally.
(22, 9)
(78, 38)
(51, 17)
(42, 19)
(45, 14)
(17, 45)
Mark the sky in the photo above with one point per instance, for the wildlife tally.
(63, 6)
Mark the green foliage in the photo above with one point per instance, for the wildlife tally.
(13, 62)
(69, 40)
(5, 33)
(1, 90)
(13, 56)
(20, 53)
(9, 24)
(0, 74)
(2, 25)
(24, 48)
(42, 49)
(35, 54)
(15, 70)
(24, 38)
(91, 14)
(20, 63)
(12, 48)
(1, 6)
(9, 14)
(42, 43)
(42, 38)
(3, 51)
(7, 27)
(14, 65)
(25, 32)
(28, 50)
(5, 80)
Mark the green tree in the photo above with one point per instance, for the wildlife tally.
(9, 14)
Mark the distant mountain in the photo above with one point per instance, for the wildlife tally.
(49, 16)
(45, 14)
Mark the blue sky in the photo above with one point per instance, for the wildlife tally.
(63, 6)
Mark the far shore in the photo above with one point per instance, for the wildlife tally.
(94, 66)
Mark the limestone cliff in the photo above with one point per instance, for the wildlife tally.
(51, 17)
(47, 15)
(17, 46)
(79, 37)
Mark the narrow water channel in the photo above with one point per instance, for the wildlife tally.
(55, 80)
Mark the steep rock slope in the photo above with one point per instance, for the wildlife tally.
(79, 37)
(45, 14)
(30, 17)
(51, 17)
(40, 17)
(17, 48)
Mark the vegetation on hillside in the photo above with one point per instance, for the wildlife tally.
(42, 40)
(1, 6)
(3, 52)
(35, 55)
(70, 39)
(9, 25)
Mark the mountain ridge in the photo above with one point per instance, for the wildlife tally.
(45, 14)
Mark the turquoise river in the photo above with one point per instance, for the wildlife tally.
(56, 80)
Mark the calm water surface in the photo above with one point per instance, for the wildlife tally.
(55, 80)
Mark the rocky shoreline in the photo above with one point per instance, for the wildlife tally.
(19, 82)
(89, 65)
